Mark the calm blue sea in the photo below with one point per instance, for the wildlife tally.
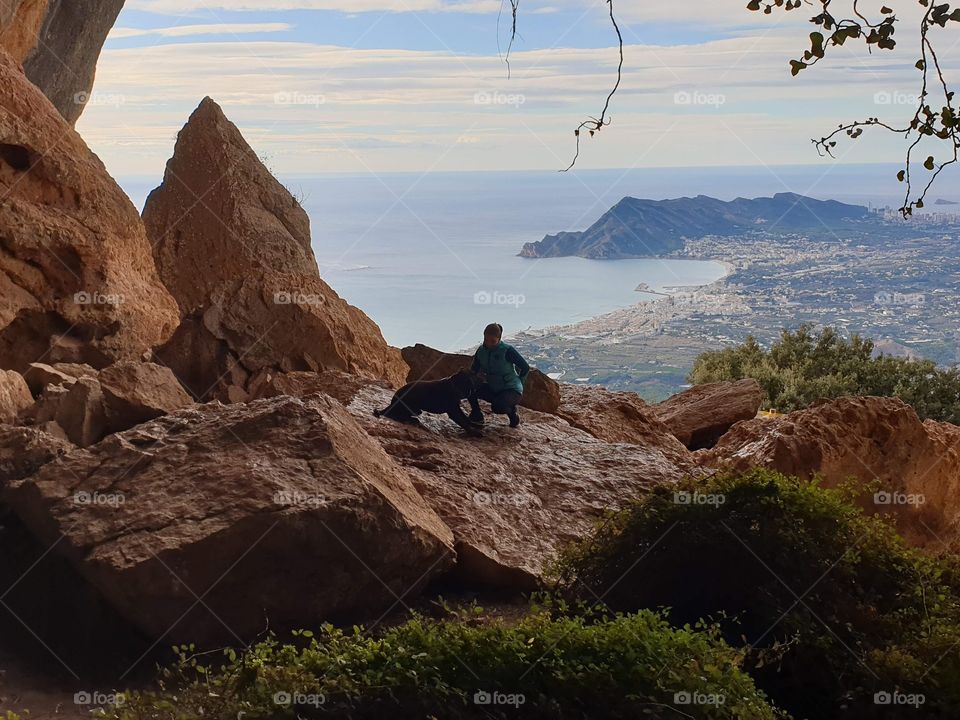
(432, 258)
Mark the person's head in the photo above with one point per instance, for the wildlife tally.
(492, 334)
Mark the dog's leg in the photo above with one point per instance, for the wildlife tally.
(456, 414)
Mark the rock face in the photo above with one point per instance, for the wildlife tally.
(540, 393)
(134, 393)
(20, 22)
(77, 279)
(515, 496)
(914, 465)
(700, 415)
(63, 60)
(234, 248)
(282, 510)
(15, 395)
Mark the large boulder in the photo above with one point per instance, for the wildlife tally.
(15, 395)
(700, 415)
(515, 496)
(20, 22)
(63, 57)
(540, 392)
(214, 522)
(618, 417)
(78, 409)
(234, 247)
(907, 468)
(135, 392)
(77, 278)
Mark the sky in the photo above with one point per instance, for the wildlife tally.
(359, 86)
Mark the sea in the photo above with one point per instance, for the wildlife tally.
(433, 257)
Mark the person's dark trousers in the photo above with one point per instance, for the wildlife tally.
(502, 403)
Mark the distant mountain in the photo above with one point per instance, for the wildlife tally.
(645, 228)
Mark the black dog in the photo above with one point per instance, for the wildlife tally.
(434, 396)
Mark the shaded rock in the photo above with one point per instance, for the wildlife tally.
(514, 497)
(280, 511)
(39, 375)
(204, 364)
(24, 450)
(63, 60)
(77, 279)
(540, 392)
(234, 248)
(618, 417)
(81, 412)
(700, 415)
(20, 22)
(134, 393)
(908, 468)
(15, 396)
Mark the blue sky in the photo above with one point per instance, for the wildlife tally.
(417, 85)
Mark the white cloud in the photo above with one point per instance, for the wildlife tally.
(172, 7)
(191, 30)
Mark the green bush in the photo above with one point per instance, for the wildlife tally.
(804, 366)
(563, 666)
(831, 605)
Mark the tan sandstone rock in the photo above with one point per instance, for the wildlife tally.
(135, 392)
(15, 395)
(20, 22)
(82, 413)
(700, 415)
(24, 450)
(77, 279)
(282, 511)
(618, 417)
(908, 468)
(39, 375)
(234, 247)
(514, 497)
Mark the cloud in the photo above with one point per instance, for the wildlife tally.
(119, 33)
(176, 7)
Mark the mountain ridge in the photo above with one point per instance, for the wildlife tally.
(636, 227)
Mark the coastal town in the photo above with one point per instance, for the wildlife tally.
(898, 286)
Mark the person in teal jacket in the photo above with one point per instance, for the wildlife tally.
(505, 373)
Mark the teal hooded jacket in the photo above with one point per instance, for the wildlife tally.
(504, 367)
